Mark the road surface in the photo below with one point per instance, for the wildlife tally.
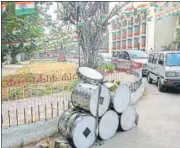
(159, 123)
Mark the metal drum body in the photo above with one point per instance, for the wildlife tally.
(108, 125)
(121, 98)
(89, 75)
(127, 118)
(85, 96)
(78, 127)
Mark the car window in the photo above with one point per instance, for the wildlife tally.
(150, 58)
(155, 58)
(173, 59)
(115, 54)
(120, 55)
(161, 57)
(138, 54)
(126, 56)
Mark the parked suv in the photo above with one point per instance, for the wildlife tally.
(164, 69)
(125, 59)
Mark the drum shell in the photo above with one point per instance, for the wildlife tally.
(82, 94)
(67, 121)
(85, 97)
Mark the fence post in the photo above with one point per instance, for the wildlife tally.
(45, 112)
(17, 116)
(25, 115)
(31, 114)
(39, 112)
(57, 108)
(51, 110)
(9, 118)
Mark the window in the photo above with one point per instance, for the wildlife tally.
(173, 59)
(120, 55)
(161, 57)
(118, 44)
(155, 58)
(138, 54)
(150, 58)
(114, 45)
(115, 54)
(126, 56)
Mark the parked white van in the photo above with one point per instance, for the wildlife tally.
(164, 68)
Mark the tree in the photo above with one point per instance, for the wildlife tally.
(18, 30)
(94, 17)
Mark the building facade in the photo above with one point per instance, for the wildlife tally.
(144, 26)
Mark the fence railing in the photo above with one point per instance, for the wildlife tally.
(37, 102)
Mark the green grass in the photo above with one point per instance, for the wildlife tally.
(40, 90)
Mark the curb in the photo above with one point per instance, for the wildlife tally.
(21, 135)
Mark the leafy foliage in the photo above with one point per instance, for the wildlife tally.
(18, 30)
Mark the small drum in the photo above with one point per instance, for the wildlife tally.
(89, 75)
(127, 118)
(78, 128)
(121, 98)
(108, 125)
(85, 96)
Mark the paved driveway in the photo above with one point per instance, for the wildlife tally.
(159, 123)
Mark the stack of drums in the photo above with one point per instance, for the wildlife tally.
(120, 102)
(92, 101)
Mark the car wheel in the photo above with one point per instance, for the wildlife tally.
(149, 79)
(161, 88)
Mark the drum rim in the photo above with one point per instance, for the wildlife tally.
(121, 120)
(88, 77)
(129, 98)
(101, 121)
(87, 115)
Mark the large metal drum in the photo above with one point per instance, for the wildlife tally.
(127, 118)
(89, 75)
(108, 125)
(78, 128)
(85, 96)
(121, 98)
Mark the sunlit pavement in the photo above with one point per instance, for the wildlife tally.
(159, 123)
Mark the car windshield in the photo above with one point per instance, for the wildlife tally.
(106, 56)
(173, 59)
(138, 54)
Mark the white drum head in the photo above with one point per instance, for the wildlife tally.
(104, 102)
(121, 98)
(84, 132)
(90, 73)
(127, 118)
(108, 125)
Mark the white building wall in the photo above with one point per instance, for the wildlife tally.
(150, 32)
(164, 31)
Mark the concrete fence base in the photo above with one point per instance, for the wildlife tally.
(18, 136)
(135, 96)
